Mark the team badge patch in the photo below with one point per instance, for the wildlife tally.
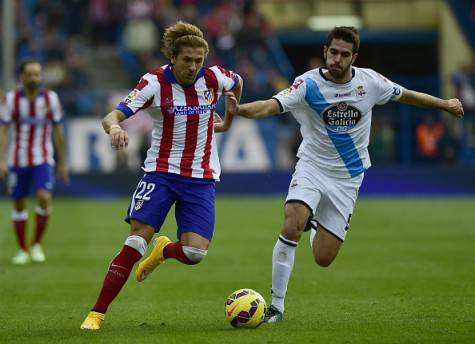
(139, 204)
(360, 92)
(209, 95)
(132, 95)
(294, 86)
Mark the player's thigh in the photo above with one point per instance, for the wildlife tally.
(194, 210)
(151, 201)
(19, 182)
(337, 205)
(303, 197)
(43, 178)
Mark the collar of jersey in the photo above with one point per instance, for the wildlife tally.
(39, 93)
(171, 78)
(320, 70)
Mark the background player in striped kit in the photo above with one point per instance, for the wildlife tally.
(33, 114)
(333, 106)
(182, 163)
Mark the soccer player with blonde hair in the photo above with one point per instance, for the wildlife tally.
(182, 162)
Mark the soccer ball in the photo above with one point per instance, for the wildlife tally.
(245, 308)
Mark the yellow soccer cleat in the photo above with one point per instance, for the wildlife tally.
(155, 258)
(93, 321)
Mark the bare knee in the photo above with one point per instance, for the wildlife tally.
(43, 199)
(296, 218)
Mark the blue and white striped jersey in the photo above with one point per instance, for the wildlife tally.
(335, 119)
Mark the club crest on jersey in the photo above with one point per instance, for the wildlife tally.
(139, 204)
(341, 117)
(209, 95)
(360, 92)
(132, 95)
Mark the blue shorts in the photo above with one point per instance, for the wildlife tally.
(193, 199)
(22, 180)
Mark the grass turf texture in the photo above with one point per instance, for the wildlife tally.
(405, 275)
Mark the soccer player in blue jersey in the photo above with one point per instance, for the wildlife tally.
(333, 106)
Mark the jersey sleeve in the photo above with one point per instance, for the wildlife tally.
(386, 89)
(227, 79)
(141, 97)
(7, 109)
(292, 97)
(56, 108)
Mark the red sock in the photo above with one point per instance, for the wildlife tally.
(175, 250)
(41, 222)
(20, 226)
(118, 273)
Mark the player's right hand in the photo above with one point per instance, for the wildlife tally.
(454, 106)
(119, 138)
(3, 170)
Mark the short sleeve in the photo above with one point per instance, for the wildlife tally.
(292, 97)
(56, 108)
(141, 97)
(386, 89)
(227, 79)
(7, 109)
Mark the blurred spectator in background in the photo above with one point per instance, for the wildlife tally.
(429, 134)
(382, 141)
(464, 82)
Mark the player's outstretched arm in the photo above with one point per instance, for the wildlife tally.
(452, 106)
(224, 125)
(119, 137)
(3, 145)
(257, 109)
(62, 166)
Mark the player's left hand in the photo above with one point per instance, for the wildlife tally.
(231, 103)
(454, 107)
(218, 124)
(63, 172)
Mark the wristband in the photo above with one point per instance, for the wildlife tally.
(113, 126)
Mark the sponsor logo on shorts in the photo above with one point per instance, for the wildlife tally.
(293, 183)
(138, 204)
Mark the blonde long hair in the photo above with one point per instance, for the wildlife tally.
(182, 34)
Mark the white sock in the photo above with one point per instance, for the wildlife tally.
(283, 258)
(137, 242)
(313, 232)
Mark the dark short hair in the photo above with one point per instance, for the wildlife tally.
(26, 61)
(349, 34)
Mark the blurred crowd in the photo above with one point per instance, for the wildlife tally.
(66, 36)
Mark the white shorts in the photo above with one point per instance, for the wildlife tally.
(331, 200)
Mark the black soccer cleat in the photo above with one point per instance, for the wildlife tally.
(273, 315)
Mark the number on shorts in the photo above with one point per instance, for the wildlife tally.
(145, 189)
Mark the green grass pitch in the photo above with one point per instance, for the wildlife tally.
(406, 274)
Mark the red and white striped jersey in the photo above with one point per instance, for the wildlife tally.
(31, 123)
(183, 139)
